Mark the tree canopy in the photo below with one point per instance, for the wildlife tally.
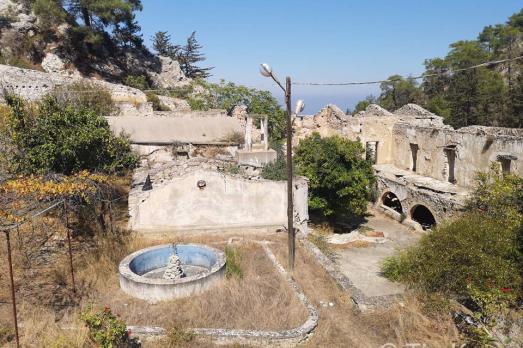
(340, 180)
(487, 95)
(189, 55)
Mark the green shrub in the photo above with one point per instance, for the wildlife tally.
(178, 337)
(105, 328)
(479, 255)
(137, 81)
(84, 95)
(157, 104)
(340, 180)
(63, 138)
(233, 266)
(276, 170)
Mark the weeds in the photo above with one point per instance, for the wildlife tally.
(179, 337)
(105, 328)
(233, 265)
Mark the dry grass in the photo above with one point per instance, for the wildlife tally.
(259, 300)
(342, 326)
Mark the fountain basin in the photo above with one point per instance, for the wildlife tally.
(141, 272)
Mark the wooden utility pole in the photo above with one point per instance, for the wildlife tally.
(290, 209)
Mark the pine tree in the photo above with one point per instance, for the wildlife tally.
(191, 55)
(163, 45)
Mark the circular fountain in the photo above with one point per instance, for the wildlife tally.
(171, 271)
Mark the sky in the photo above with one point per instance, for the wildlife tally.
(321, 40)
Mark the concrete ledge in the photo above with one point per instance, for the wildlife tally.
(257, 158)
(284, 338)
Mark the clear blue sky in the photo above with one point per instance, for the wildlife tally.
(322, 40)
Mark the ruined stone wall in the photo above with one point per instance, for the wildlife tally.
(374, 129)
(475, 149)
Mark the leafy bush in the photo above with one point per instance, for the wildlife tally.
(137, 81)
(233, 266)
(477, 256)
(276, 170)
(157, 104)
(62, 138)
(340, 180)
(85, 95)
(105, 328)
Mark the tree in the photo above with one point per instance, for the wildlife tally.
(340, 179)
(92, 20)
(398, 91)
(190, 56)
(163, 46)
(228, 95)
(362, 105)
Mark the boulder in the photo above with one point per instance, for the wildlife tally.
(53, 64)
(169, 76)
(175, 104)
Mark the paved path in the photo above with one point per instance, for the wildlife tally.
(362, 265)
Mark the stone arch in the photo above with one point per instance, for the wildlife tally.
(391, 200)
(423, 216)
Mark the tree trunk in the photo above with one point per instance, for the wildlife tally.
(86, 17)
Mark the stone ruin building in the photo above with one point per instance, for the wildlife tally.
(424, 169)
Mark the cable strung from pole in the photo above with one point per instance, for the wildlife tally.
(445, 72)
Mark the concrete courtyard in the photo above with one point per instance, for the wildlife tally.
(361, 264)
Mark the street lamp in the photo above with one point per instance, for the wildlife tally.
(266, 71)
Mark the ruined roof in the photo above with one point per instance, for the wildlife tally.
(374, 110)
(334, 110)
(168, 130)
(414, 110)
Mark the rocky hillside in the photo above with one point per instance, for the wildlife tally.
(26, 42)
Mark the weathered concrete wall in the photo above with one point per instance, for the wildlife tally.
(168, 130)
(225, 201)
(476, 148)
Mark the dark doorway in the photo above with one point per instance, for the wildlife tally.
(391, 200)
(423, 216)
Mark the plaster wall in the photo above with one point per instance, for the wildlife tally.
(225, 201)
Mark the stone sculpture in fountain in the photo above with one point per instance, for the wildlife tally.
(174, 269)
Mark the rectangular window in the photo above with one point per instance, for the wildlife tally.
(371, 151)
(450, 163)
(414, 152)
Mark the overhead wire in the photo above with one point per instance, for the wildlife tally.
(425, 75)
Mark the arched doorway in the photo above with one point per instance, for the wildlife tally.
(422, 215)
(392, 201)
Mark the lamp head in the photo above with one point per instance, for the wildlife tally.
(265, 70)
(300, 105)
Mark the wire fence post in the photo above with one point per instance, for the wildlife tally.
(13, 297)
(111, 216)
(66, 215)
